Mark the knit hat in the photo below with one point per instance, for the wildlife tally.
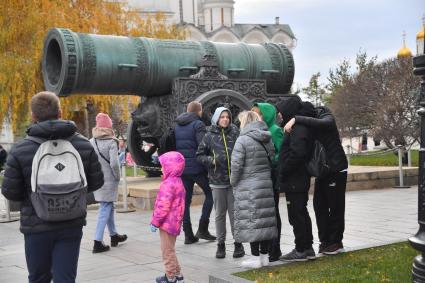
(103, 121)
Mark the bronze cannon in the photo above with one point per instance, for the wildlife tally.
(166, 74)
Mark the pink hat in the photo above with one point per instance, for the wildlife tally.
(103, 121)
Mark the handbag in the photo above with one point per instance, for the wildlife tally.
(273, 172)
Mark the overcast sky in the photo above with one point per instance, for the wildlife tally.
(330, 30)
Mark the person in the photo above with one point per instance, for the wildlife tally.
(293, 176)
(168, 213)
(51, 248)
(189, 131)
(122, 150)
(214, 152)
(329, 190)
(106, 147)
(267, 112)
(3, 157)
(255, 213)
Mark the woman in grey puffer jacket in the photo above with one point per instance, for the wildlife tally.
(255, 218)
(106, 146)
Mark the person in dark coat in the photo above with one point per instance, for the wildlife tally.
(255, 213)
(3, 157)
(293, 177)
(189, 132)
(214, 152)
(51, 248)
(329, 190)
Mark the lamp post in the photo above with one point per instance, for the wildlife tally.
(418, 241)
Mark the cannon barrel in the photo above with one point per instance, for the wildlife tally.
(98, 64)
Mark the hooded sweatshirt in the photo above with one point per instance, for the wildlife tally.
(215, 150)
(169, 204)
(268, 111)
(296, 147)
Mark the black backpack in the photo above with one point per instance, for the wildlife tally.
(318, 165)
(167, 142)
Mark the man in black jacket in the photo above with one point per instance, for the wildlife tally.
(51, 248)
(189, 132)
(294, 179)
(329, 190)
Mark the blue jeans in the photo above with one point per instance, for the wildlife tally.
(53, 254)
(105, 217)
(202, 181)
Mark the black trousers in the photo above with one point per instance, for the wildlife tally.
(299, 220)
(260, 247)
(275, 243)
(329, 206)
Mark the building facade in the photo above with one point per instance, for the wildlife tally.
(213, 20)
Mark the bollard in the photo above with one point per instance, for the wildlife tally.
(348, 155)
(400, 168)
(8, 217)
(124, 192)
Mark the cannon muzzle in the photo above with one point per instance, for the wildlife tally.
(105, 64)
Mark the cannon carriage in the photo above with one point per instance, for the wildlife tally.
(167, 75)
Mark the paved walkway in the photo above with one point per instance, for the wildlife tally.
(372, 218)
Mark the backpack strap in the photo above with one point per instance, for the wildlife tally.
(268, 155)
(35, 139)
(101, 155)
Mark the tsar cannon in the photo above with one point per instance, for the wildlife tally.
(166, 74)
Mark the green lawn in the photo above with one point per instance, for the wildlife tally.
(390, 263)
(130, 172)
(387, 159)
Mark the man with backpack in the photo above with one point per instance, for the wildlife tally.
(329, 189)
(189, 132)
(50, 172)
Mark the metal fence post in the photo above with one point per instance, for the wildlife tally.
(124, 191)
(8, 217)
(348, 155)
(134, 170)
(400, 168)
(409, 158)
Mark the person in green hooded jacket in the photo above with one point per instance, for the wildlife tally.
(268, 113)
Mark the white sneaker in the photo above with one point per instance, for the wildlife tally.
(264, 259)
(253, 262)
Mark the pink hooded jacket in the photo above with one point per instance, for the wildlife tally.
(169, 204)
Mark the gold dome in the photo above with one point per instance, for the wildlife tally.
(404, 52)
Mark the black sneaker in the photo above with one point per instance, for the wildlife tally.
(322, 247)
(295, 255)
(165, 279)
(179, 279)
(334, 249)
(310, 253)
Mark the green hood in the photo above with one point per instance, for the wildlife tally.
(268, 112)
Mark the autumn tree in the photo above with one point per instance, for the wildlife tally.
(315, 91)
(25, 23)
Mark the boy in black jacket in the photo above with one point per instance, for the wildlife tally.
(51, 248)
(293, 176)
(329, 190)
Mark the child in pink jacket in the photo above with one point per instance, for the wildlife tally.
(168, 213)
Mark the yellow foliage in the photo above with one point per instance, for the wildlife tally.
(23, 27)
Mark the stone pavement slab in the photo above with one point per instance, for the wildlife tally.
(374, 217)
